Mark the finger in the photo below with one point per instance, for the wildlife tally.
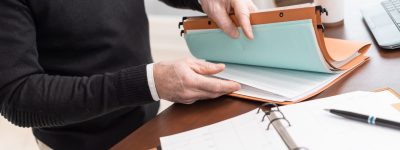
(206, 95)
(207, 68)
(221, 17)
(216, 85)
(191, 96)
(242, 13)
(188, 102)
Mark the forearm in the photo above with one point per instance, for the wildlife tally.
(41, 100)
(185, 4)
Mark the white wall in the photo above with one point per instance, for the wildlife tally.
(165, 40)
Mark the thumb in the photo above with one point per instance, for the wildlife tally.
(207, 68)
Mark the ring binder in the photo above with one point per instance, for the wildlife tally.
(269, 112)
(275, 122)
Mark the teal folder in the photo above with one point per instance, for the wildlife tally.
(288, 45)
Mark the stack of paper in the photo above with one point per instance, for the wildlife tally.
(275, 84)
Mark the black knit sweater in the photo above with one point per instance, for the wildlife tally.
(74, 70)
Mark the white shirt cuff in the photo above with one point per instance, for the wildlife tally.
(150, 81)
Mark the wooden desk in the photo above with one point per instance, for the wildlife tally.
(383, 70)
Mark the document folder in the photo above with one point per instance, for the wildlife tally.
(289, 39)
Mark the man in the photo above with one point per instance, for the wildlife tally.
(79, 72)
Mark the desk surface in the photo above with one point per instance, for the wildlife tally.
(383, 70)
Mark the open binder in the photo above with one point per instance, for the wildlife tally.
(288, 39)
(300, 127)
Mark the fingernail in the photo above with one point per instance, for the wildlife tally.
(251, 37)
(238, 86)
(221, 66)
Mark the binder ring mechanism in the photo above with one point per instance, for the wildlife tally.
(272, 113)
(321, 11)
(180, 24)
(275, 114)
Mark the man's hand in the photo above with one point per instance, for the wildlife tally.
(183, 81)
(218, 11)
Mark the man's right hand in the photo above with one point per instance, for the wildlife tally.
(184, 81)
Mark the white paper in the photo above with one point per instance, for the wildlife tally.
(315, 128)
(240, 133)
(276, 84)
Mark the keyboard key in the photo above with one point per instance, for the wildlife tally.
(390, 8)
(395, 15)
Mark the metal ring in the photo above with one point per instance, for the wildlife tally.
(265, 105)
(269, 112)
(272, 121)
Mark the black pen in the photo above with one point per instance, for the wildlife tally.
(365, 118)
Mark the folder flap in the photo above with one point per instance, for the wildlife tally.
(334, 51)
(340, 50)
(289, 45)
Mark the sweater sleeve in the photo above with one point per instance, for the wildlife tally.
(31, 98)
(185, 4)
